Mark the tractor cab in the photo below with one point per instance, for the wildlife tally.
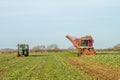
(86, 41)
(23, 49)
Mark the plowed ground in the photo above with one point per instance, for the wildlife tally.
(97, 69)
(58, 66)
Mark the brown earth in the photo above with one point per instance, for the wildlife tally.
(2, 73)
(100, 70)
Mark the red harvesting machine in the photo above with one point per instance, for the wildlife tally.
(84, 45)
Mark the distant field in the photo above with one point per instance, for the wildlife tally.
(60, 66)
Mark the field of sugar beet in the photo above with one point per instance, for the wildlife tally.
(60, 66)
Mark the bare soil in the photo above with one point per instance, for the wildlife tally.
(100, 70)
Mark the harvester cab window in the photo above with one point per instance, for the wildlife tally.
(85, 43)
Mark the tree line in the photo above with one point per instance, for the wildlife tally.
(55, 48)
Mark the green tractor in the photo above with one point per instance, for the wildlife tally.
(23, 49)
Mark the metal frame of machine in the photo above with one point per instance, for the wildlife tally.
(84, 45)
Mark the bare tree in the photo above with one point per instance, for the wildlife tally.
(117, 46)
(71, 47)
(38, 48)
(53, 46)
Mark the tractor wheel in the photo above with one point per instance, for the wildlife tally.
(18, 54)
(23, 52)
(26, 53)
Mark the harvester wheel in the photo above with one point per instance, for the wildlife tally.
(92, 51)
(86, 51)
(79, 52)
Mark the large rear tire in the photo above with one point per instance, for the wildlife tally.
(18, 54)
(26, 53)
(23, 52)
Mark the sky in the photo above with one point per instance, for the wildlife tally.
(45, 22)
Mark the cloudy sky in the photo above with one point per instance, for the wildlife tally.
(45, 22)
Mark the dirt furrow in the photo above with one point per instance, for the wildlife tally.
(99, 70)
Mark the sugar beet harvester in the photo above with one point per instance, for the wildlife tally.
(23, 49)
(84, 45)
